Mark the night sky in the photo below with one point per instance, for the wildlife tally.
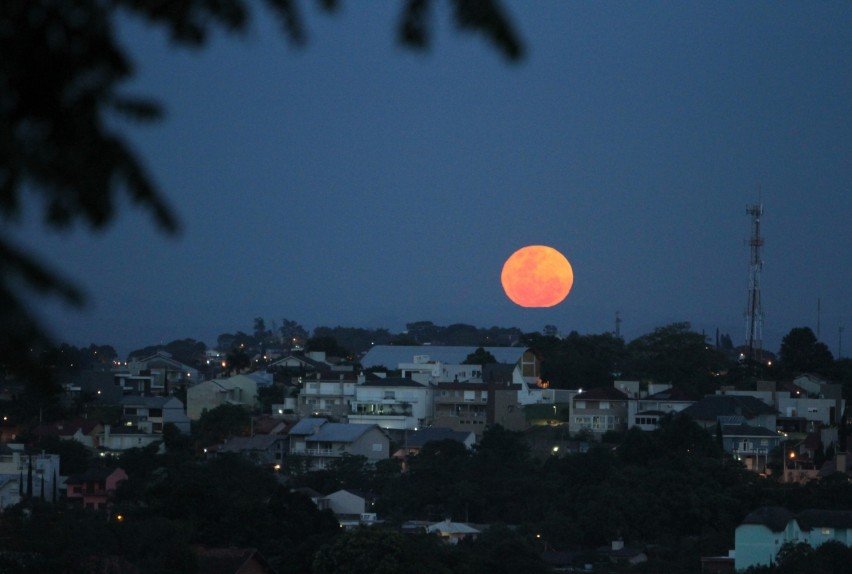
(354, 182)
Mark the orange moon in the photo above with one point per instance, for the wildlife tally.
(537, 276)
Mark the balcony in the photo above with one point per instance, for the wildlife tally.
(317, 452)
(379, 409)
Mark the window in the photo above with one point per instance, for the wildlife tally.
(826, 531)
(604, 405)
(377, 447)
(390, 395)
(580, 405)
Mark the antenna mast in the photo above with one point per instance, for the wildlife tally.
(754, 311)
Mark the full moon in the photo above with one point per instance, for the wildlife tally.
(537, 276)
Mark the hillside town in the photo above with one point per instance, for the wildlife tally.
(478, 448)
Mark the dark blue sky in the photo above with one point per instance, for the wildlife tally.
(353, 182)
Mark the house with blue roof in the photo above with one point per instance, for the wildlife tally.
(318, 442)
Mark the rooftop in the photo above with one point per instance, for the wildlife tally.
(391, 356)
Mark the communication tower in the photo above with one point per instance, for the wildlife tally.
(754, 310)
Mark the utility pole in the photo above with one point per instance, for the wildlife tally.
(618, 324)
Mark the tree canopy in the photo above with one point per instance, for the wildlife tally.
(63, 69)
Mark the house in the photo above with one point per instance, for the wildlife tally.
(231, 561)
(647, 412)
(598, 411)
(143, 384)
(706, 412)
(392, 403)
(319, 442)
(297, 365)
(392, 356)
(617, 553)
(261, 449)
(149, 414)
(86, 432)
(269, 424)
(462, 406)
(763, 532)
(327, 394)
(95, 488)
(16, 464)
(10, 490)
(237, 390)
(414, 441)
(749, 444)
(352, 509)
(343, 503)
(125, 437)
(453, 532)
(167, 372)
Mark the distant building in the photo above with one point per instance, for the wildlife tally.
(392, 403)
(15, 465)
(749, 444)
(319, 442)
(327, 394)
(263, 449)
(237, 390)
(754, 412)
(762, 533)
(149, 414)
(94, 489)
(598, 411)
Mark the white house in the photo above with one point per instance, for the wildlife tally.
(437, 363)
(392, 403)
(15, 463)
(237, 390)
(763, 532)
(327, 394)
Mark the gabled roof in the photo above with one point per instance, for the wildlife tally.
(66, 428)
(773, 517)
(420, 437)
(672, 394)
(713, 406)
(91, 475)
(248, 443)
(448, 527)
(747, 430)
(305, 360)
(601, 394)
(340, 432)
(307, 426)
(814, 518)
(391, 356)
(776, 518)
